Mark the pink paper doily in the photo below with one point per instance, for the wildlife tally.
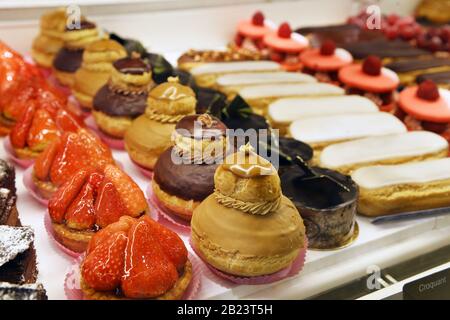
(72, 280)
(165, 217)
(51, 234)
(145, 172)
(23, 163)
(292, 270)
(31, 187)
(52, 79)
(117, 144)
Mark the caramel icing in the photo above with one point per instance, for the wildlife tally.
(247, 164)
(260, 207)
(172, 90)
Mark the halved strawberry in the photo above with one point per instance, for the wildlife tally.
(170, 242)
(129, 192)
(67, 122)
(64, 196)
(19, 101)
(109, 206)
(103, 267)
(95, 180)
(81, 213)
(124, 224)
(19, 132)
(43, 130)
(79, 150)
(148, 271)
(45, 159)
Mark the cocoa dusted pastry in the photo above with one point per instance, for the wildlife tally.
(32, 291)
(17, 255)
(184, 173)
(124, 97)
(8, 197)
(69, 58)
(327, 205)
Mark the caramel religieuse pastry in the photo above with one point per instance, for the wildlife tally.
(206, 74)
(8, 196)
(50, 38)
(408, 69)
(412, 146)
(230, 84)
(260, 96)
(96, 69)
(69, 58)
(124, 97)
(194, 58)
(283, 112)
(17, 255)
(389, 189)
(437, 11)
(184, 174)
(328, 209)
(150, 134)
(247, 227)
(320, 132)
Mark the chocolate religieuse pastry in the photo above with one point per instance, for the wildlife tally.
(150, 134)
(328, 209)
(69, 57)
(124, 97)
(184, 173)
(247, 227)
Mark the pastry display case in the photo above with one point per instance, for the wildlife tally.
(96, 163)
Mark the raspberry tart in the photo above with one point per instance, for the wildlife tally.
(135, 259)
(65, 156)
(250, 33)
(91, 200)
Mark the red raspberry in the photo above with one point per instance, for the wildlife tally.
(392, 19)
(372, 66)
(428, 90)
(258, 19)
(238, 39)
(391, 32)
(327, 48)
(284, 31)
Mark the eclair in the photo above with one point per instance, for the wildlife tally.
(412, 146)
(390, 189)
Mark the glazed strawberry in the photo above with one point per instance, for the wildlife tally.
(103, 267)
(78, 150)
(148, 271)
(328, 47)
(124, 224)
(43, 130)
(64, 196)
(372, 66)
(170, 242)
(16, 105)
(81, 213)
(284, 31)
(428, 90)
(19, 132)
(258, 19)
(128, 191)
(45, 160)
(65, 121)
(109, 206)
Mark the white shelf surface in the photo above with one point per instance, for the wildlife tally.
(173, 32)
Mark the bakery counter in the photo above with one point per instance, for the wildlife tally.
(377, 245)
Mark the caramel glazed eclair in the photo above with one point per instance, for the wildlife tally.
(247, 227)
(390, 189)
(412, 146)
(124, 97)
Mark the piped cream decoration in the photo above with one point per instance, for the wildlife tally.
(375, 177)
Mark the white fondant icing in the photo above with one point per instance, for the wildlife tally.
(391, 74)
(374, 177)
(343, 54)
(290, 90)
(410, 144)
(290, 109)
(238, 66)
(255, 78)
(345, 127)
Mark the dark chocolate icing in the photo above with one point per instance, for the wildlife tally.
(418, 64)
(119, 104)
(187, 123)
(384, 49)
(437, 77)
(68, 60)
(186, 181)
(134, 66)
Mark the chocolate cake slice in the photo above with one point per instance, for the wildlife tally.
(32, 291)
(17, 255)
(384, 49)
(8, 211)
